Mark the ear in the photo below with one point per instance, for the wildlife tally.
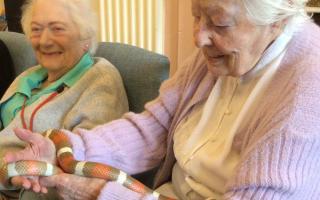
(279, 25)
(85, 44)
(86, 47)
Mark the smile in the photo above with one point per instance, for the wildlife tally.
(215, 58)
(51, 53)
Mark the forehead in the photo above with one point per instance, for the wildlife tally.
(45, 11)
(211, 7)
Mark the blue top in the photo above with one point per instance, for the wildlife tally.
(34, 80)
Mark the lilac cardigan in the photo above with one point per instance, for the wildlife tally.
(280, 149)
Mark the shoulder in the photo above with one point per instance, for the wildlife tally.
(14, 85)
(103, 67)
(102, 73)
(301, 63)
(291, 100)
(303, 49)
(28, 71)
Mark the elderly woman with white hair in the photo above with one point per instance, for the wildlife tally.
(240, 120)
(69, 88)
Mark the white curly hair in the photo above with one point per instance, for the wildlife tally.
(264, 12)
(81, 14)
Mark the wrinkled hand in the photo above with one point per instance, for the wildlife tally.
(38, 148)
(72, 187)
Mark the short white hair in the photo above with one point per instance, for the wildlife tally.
(81, 14)
(264, 12)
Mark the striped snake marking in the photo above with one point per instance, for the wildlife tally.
(69, 165)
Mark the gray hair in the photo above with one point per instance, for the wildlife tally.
(81, 14)
(264, 12)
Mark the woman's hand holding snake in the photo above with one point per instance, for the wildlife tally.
(68, 186)
(38, 148)
(73, 187)
(38, 159)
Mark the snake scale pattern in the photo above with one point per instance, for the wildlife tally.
(69, 165)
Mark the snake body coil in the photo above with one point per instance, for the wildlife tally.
(69, 165)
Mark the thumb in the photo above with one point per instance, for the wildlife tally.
(27, 136)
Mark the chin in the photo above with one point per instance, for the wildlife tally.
(218, 70)
(50, 66)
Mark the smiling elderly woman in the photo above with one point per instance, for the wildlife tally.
(69, 88)
(240, 120)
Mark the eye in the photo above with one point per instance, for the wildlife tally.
(35, 31)
(222, 23)
(197, 18)
(222, 26)
(58, 29)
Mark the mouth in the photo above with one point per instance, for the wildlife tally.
(50, 53)
(215, 59)
(213, 56)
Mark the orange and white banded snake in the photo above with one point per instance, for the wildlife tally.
(69, 165)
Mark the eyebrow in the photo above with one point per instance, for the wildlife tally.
(221, 13)
(50, 23)
(194, 10)
(218, 9)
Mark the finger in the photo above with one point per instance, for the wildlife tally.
(13, 157)
(20, 181)
(35, 186)
(44, 190)
(28, 136)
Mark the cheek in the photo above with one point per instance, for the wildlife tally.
(34, 43)
(72, 46)
(224, 43)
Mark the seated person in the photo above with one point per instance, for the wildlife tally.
(69, 88)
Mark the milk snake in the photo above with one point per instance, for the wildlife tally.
(69, 165)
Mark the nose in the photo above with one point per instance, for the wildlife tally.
(45, 37)
(202, 35)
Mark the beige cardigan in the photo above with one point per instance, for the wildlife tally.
(98, 96)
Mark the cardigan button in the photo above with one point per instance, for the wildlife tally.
(227, 112)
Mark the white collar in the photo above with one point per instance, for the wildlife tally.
(271, 53)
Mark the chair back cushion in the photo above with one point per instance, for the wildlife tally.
(20, 50)
(142, 71)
